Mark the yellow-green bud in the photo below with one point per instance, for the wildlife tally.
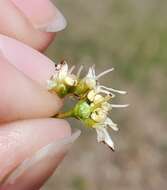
(82, 110)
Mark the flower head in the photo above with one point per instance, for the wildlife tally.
(98, 109)
(94, 100)
(63, 79)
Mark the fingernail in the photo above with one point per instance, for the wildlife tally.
(56, 24)
(34, 171)
(43, 14)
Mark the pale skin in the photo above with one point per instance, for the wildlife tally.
(25, 104)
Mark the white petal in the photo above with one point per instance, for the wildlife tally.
(63, 71)
(91, 73)
(104, 73)
(55, 76)
(113, 90)
(111, 124)
(79, 71)
(99, 90)
(100, 135)
(71, 69)
(90, 82)
(119, 106)
(103, 136)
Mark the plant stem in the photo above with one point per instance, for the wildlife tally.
(64, 115)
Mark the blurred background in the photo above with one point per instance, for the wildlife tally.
(131, 36)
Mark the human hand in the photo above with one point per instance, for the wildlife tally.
(31, 144)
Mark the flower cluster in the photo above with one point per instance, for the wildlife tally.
(93, 100)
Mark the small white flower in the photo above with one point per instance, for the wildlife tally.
(94, 104)
(102, 133)
(91, 81)
(62, 79)
(91, 78)
(63, 74)
(99, 115)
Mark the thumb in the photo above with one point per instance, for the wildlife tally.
(30, 172)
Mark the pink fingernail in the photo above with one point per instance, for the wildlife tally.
(57, 24)
(43, 14)
(33, 172)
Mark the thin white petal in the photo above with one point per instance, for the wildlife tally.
(119, 106)
(55, 76)
(91, 73)
(104, 73)
(63, 71)
(93, 69)
(71, 69)
(103, 136)
(108, 139)
(111, 124)
(106, 92)
(113, 90)
(79, 71)
(100, 135)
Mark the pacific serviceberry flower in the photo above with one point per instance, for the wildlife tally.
(93, 101)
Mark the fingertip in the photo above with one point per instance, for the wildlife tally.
(14, 24)
(52, 21)
(22, 98)
(24, 138)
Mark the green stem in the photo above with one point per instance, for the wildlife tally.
(64, 115)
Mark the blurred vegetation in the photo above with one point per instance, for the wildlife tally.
(130, 35)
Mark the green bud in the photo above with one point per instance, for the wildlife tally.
(82, 110)
(62, 90)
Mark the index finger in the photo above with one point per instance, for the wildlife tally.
(14, 23)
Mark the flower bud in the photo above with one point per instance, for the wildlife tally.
(106, 106)
(82, 110)
(70, 80)
(91, 95)
(98, 115)
(98, 99)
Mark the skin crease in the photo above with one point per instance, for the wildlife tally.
(23, 94)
